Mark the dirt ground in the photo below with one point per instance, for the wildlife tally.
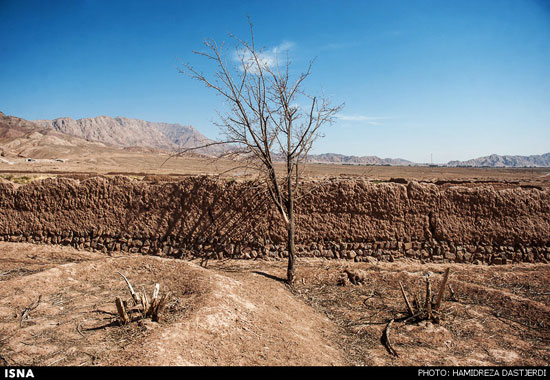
(57, 308)
(211, 318)
(140, 164)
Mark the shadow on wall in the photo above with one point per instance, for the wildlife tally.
(212, 216)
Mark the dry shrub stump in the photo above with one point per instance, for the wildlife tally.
(143, 308)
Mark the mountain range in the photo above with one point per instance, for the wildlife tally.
(493, 161)
(496, 161)
(335, 158)
(124, 132)
(23, 138)
(41, 138)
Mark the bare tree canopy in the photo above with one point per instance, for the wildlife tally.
(268, 117)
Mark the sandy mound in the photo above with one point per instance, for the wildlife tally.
(212, 319)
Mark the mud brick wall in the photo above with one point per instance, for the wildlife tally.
(348, 219)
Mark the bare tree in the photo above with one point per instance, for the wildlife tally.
(268, 118)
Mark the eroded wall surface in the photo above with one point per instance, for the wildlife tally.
(352, 219)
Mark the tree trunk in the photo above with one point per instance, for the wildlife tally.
(291, 271)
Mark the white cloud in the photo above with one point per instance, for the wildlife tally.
(371, 120)
(267, 58)
(283, 47)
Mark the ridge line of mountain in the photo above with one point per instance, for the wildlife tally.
(124, 132)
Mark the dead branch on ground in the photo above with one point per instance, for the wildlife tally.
(5, 360)
(28, 309)
(386, 339)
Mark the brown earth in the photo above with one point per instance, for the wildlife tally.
(212, 319)
(240, 313)
(141, 162)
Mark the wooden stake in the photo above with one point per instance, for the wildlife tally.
(155, 317)
(409, 307)
(122, 311)
(156, 291)
(428, 304)
(144, 301)
(154, 301)
(441, 290)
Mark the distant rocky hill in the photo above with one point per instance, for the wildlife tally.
(335, 158)
(124, 132)
(496, 161)
(23, 138)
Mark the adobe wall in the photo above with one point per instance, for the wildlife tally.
(351, 219)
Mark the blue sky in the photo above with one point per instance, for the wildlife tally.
(454, 78)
